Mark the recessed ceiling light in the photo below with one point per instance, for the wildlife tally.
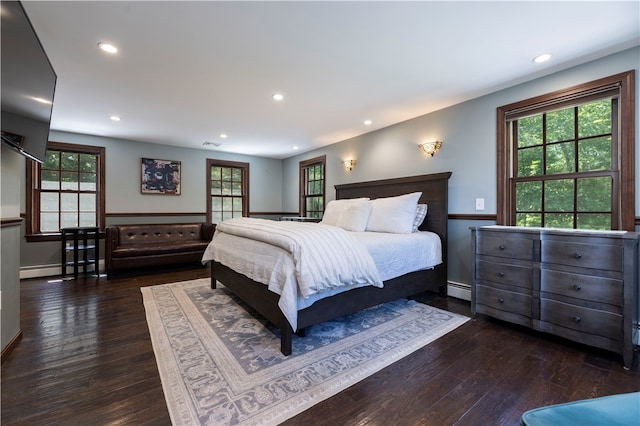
(115, 118)
(367, 122)
(542, 58)
(109, 48)
(223, 135)
(295, 147)
(278, 96)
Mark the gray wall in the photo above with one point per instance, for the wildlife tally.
(10, 284)
(123, 194)
(468, 132)
(9, 240)
(11, 182)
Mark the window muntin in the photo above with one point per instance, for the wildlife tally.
(569, 136)
(66, 190)
(227, 189)
(312, 183)
(556, 150)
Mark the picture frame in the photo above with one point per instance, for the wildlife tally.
(163, 177)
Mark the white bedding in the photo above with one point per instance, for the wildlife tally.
(398, 254)
(393, 254)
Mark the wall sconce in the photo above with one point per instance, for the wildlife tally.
(431, 147)
(349, 164)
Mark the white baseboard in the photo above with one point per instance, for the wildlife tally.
(459, 290)
(38, 271)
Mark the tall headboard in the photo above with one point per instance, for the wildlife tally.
(434, 188)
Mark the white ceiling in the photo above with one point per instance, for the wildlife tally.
(188, 71)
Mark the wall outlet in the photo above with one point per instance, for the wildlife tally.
(479, 203)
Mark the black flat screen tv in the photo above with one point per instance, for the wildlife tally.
(28, 84)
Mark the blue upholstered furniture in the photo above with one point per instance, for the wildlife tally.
(623, 410)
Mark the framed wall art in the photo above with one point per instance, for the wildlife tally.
(161, 176)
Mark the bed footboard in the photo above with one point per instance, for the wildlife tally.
(265, 302)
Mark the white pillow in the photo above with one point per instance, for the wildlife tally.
(421, 214)
(355, 217)
(335, 207)
(394, 214)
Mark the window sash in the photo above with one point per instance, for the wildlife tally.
(87, 210)
(545, 215)
(228, 190)
(312, 187)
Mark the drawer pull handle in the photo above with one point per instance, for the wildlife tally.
(577, 287)
(501, 274)
(577, 319)
(577, 255)
(500, 300)
(501, 247)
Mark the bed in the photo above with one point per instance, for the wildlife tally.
(434, 189)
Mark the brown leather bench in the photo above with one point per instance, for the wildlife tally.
(141, 246)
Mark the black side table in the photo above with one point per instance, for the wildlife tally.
(84, 245)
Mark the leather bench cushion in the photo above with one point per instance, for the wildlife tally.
(159, 234)
(159, 248)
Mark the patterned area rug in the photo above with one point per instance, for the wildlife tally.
(220, 364)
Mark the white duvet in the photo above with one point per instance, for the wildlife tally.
(270, 258)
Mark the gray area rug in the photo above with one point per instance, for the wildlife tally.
(220, 364)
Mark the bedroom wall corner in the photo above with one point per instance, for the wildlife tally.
(11, 164)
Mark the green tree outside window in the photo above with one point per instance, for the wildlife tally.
(564, 162)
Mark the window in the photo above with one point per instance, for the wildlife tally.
(565, 160)
(67, 190)
(312, 187)
(227, 189)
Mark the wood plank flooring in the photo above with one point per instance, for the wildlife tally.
(86, 358)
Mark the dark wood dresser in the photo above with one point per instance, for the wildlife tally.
(580, 285)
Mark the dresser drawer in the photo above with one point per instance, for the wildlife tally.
(583, 287)
(585, 320)
(503, 300)
(501, 246)
(594, 256)
(503, 273)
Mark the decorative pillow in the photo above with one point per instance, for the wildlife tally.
(355, 217)
(421, 214)
(394, 214)
(335, 207)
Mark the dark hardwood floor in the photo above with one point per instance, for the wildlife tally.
(86, 358)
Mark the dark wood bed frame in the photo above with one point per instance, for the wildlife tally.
(434, 189)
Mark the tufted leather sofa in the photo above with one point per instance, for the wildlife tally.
(141, 246)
